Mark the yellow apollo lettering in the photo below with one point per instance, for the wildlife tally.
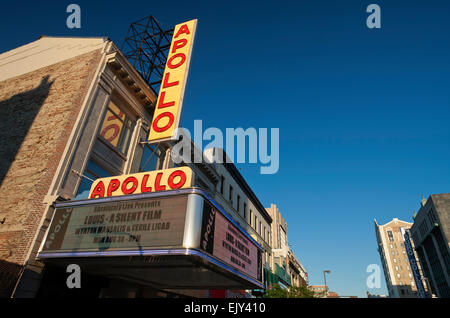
(151, 181)
(170, 99)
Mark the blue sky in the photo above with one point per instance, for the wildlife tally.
(363, 113)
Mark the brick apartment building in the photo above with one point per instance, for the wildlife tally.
(397, 267)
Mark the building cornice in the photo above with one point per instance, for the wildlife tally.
(128, 75)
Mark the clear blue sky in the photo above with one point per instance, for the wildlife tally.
(363, 114)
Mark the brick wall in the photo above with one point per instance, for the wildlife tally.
(37, 112)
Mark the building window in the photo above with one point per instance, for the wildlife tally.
(116, 128)
(391, 236)
(423, 227)
(432, 217)
(222, 184)
(251, 218)
(93, 171)
(150, 156)
(231, 195)
(238, 208)
(245, 211)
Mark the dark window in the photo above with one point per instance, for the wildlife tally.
(436, 267)
(432, 217)
(423, 227)
(92, 172)
(245, 211)
(150, 156)
(238, 204)
(426, 269)
(222, 184)
(231, 195)
(442, 247)
(391, 236)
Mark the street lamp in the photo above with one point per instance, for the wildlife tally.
(325, 279)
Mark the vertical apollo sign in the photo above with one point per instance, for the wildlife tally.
(170, 100)
(413, 263)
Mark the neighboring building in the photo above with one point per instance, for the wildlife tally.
(280, 248)
(78, 111)
(333, 295)
(298, 273)
(396, 265)
(431, 233)
(322, 291)
(287, 268)
(369, 295)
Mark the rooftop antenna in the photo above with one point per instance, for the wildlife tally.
(146, 47)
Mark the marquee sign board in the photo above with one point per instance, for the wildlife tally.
(224, 240)
(186, 223)
(118, 225)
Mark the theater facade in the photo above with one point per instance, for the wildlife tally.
(81, 184)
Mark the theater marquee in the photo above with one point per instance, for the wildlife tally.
(118, 225)
(174, 239)
(225, 241)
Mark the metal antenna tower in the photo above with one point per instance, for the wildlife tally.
(146, 46)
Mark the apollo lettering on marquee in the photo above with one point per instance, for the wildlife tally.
(170, 100)
(152, 181)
